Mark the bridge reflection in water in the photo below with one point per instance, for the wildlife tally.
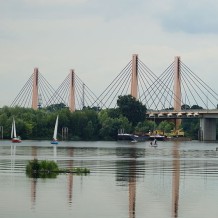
(148, 180)
(175, 180)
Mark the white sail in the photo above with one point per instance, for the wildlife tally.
(15, 134)
(55, 129)
(13, 129)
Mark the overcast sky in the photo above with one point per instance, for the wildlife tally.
(97, 38)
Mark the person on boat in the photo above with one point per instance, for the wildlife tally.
(155, 141)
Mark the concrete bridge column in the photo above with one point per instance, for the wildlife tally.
(72, 91)
(134, 81)
(207, 129)
(177, 89)
(35, 89)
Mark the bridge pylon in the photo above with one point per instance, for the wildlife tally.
(134, 79)
(177, 89)
(35, 89)
(72, 91)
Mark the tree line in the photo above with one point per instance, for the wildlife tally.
(87, 124)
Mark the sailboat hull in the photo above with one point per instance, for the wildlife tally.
(54, 142)
(16, 140)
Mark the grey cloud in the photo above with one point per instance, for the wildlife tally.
(23, 9)
(191, 17)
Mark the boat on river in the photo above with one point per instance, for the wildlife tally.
(126, 137)
(14, 137)
(131, 137)
(158, 137)
(55, 140)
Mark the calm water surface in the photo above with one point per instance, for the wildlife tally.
(126, 180)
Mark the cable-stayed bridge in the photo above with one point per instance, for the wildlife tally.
(38, 93)
(177, 93)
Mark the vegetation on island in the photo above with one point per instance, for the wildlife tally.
(90, 123)
(50, 169)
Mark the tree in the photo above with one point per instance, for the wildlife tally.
(185, 106)
(145, 127)
(55, 107)
(111, 125)
(196, 107)
(166, 126)
(132, 109)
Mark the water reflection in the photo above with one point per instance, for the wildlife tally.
(132, 187)
(33, 191)
(55, 153)
(70, 177)
(127, 172)
(13, 156)
(175, 179)
(33, 180)
(136, 181)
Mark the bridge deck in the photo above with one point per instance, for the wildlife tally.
(190, 113)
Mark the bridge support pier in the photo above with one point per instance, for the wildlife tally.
(134, 80)
(207, 129)
(35, 89)
(72, 91)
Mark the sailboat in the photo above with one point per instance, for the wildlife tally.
(14, 137)
(54, 140)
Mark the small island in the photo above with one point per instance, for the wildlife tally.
(50, 169)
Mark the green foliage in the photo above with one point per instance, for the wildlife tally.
(56, 107)
(191, 127)
(89, 123)
(134, 110)
(49, 169)
(145, 127)
(43, 169)
(111, 125)
(166, 126)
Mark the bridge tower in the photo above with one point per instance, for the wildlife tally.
(35, 89)
(177, 89)
(72, 91)
(134, 80)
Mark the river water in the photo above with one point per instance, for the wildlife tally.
(175, 179)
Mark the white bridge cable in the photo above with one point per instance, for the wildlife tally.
(118, 86)
(81, 94)
(201, 87)
(115, 82)
(87, 96)
(159, 89)
(164, 93)
(144, 74)
(63, 91)
(189, 86)
(211, 91)
(44, 89)
(149, 92)
(23, 94)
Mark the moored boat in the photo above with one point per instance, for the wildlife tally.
(158, 137)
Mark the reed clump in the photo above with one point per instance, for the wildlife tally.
(50, 169)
